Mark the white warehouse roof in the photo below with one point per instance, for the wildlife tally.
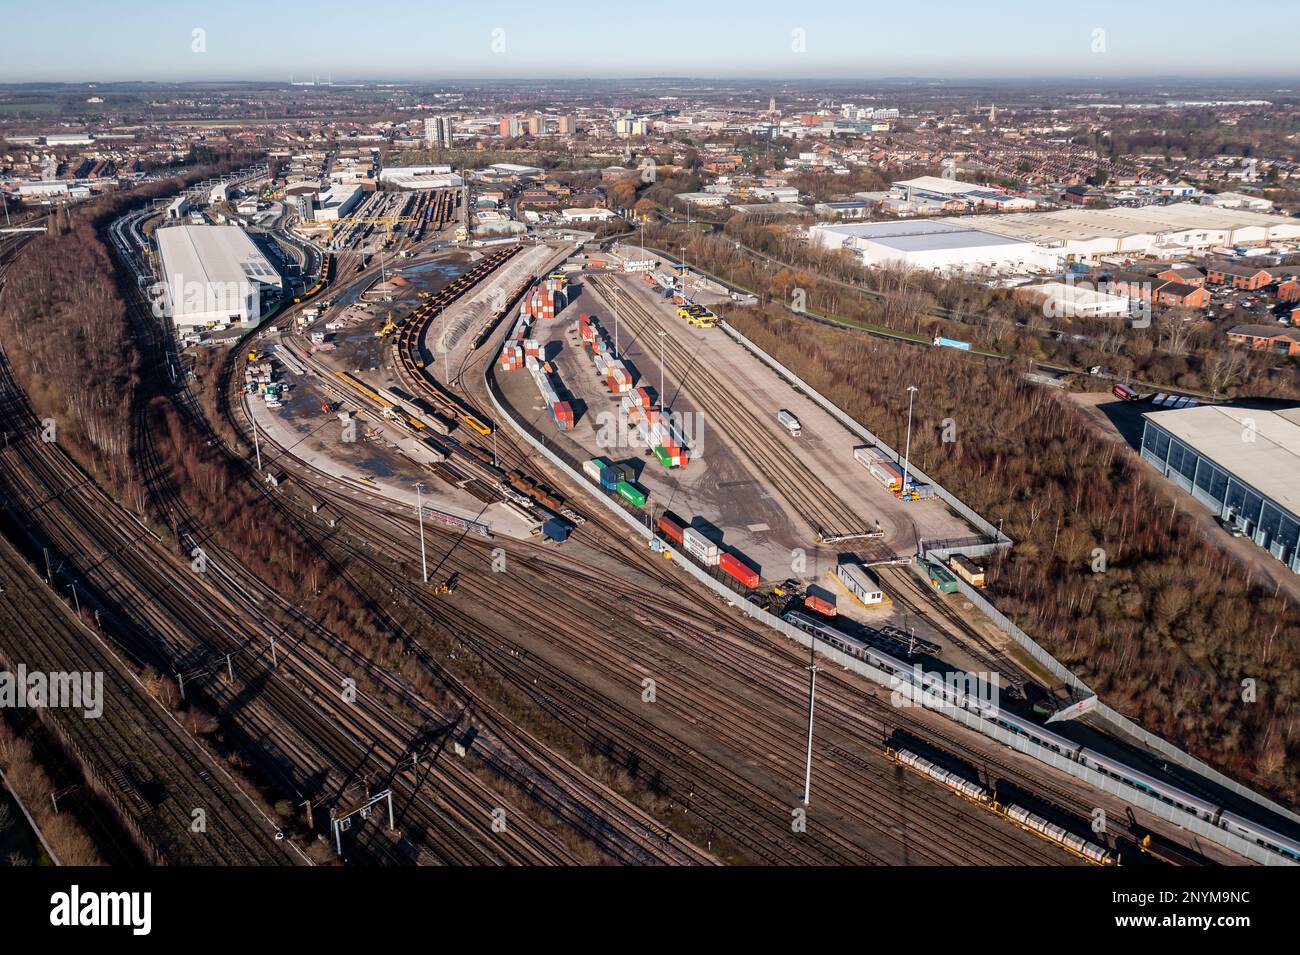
(213, 254)
(1126, 222)
(1262, 448)
(212, 275)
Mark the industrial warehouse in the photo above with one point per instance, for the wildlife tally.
(1241, 462)
(213, 276)
(1043, 241)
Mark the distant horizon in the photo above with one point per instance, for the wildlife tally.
(322, 81)
(401, 41)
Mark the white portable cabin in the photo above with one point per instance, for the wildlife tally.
(860, 582)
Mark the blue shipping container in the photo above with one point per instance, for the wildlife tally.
(609, 478)
(555, 530)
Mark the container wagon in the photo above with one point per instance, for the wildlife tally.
(672, 528)
(821, 606)
(789, 422)
(700, 547)
(742, 572)
(967, 569)
(631, 493)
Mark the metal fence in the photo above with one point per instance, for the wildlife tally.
(1043, 754)
(831, 408)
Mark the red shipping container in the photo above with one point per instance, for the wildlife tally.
(818, 605)
(740, 571)
(671, 529)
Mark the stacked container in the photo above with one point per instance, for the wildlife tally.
(880, 467)
(593, 468)
(563, 415)
(700, 547)
(512, 356)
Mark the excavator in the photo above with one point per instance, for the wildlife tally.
(388, 328)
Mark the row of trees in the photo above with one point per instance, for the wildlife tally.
(1106, 572)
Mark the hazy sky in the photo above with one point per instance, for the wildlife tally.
(86, 40)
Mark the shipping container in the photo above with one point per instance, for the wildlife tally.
(820, 606)
(700, 547)
(743, 573)
(967, 569)
(631, 493)
(555, 530)
(789, 422)
(1124, 393)
(563, 415)
(671, 527)
(593, 468)
(609, 479)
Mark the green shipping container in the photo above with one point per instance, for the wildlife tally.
(631, 494)
(664, 457)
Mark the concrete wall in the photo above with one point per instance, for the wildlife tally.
(992, 730)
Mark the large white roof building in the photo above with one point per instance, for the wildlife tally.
(1166, 232)
(934, 245)
(212, 275)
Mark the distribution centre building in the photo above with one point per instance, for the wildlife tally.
(1240, 462)
(213, 275)
(942, 246)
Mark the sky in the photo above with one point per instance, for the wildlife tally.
(191, 40)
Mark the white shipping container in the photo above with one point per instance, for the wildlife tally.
(789, 422)
(591, 469)
(697, 545)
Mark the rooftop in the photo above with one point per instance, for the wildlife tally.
(1119, 223)
(212, 255)
(1262, 448)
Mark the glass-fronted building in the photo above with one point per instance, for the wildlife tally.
(1242, 463)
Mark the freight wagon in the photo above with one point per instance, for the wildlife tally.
(859, 581)
(967, 569)
(631, 493)
(819, 605)
(742, 572)
(672, 528)
(700, 547)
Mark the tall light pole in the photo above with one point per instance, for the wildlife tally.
(662, 391)
(907, 452)
(616, 320)
(812, 702)
(419, 510)
(257, 446)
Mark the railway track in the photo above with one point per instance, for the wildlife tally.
(820, 508)
(159, 780)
